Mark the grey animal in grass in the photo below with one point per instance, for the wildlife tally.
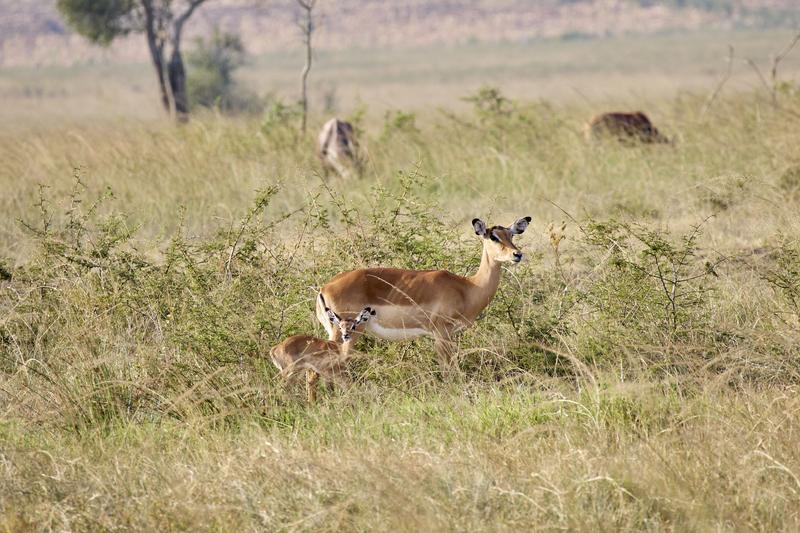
(337, 148)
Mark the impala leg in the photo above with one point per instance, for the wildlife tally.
(358, 164)
(311, 386)
(445, 350)
(322, 316)
(340, 168)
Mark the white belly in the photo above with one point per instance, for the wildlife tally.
(394, 334)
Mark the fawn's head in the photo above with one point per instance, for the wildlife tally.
(498, 241)
(349, 326)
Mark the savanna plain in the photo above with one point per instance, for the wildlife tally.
(639, 370)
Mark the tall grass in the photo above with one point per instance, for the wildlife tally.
(638, 371)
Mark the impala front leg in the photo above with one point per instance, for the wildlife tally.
(321, 311)
(446, 345)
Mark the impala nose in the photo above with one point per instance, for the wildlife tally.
(517, 257)
(346, 337)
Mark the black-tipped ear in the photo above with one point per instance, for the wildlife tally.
(333, 317)
(479, 226)
(520, 225)
(364, 315)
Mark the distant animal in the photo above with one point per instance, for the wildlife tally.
(413, 303)
(625, 127)
(317, 357)
(337, 148)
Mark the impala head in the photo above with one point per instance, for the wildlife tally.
(499, 239)
(348, 327)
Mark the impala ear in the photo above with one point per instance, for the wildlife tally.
(365, 315)
(520, 225)
(479, 226)
(333, 317)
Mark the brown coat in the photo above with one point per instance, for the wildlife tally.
(625, 127)
(413, 303)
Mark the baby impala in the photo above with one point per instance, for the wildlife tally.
(319, 358)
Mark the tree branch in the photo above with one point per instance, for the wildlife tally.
(181, 20)
(721, 83)
(781, 55)
(155, 43)
(770, 90)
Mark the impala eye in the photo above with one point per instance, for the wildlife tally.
(494, 237)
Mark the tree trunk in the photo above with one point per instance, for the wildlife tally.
(158, 64)
(308, 31)
(304, 84)
(177, 82)
(176, 70)
(156, 47)
(172, 75)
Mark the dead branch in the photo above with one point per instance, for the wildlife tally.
(721, 83)
(780, 57)
(762, 78)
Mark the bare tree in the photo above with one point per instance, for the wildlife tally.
(776, 61)
(307, 28)
(772, 88)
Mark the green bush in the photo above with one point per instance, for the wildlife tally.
(784, 273)
(647, 290)
(281, 122)
(211, 82)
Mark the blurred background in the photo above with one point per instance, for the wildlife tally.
(413, 55)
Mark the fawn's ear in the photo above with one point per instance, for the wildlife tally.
(479, 226)
(333, 317)
(520, 225)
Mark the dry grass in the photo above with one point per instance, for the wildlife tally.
(134, 393)
(498, 458)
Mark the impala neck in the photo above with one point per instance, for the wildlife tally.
(486, 280)
(344, 348)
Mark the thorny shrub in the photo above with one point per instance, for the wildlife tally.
(100, 325)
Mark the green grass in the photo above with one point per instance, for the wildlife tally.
(152, 266)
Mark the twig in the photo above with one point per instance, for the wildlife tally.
(721, 83)
(780, 57)
(770, 90)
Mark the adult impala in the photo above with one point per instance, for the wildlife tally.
(412, 303)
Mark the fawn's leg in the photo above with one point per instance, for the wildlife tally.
(311, 386)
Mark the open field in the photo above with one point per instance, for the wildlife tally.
(622, 71)
(639, 371)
